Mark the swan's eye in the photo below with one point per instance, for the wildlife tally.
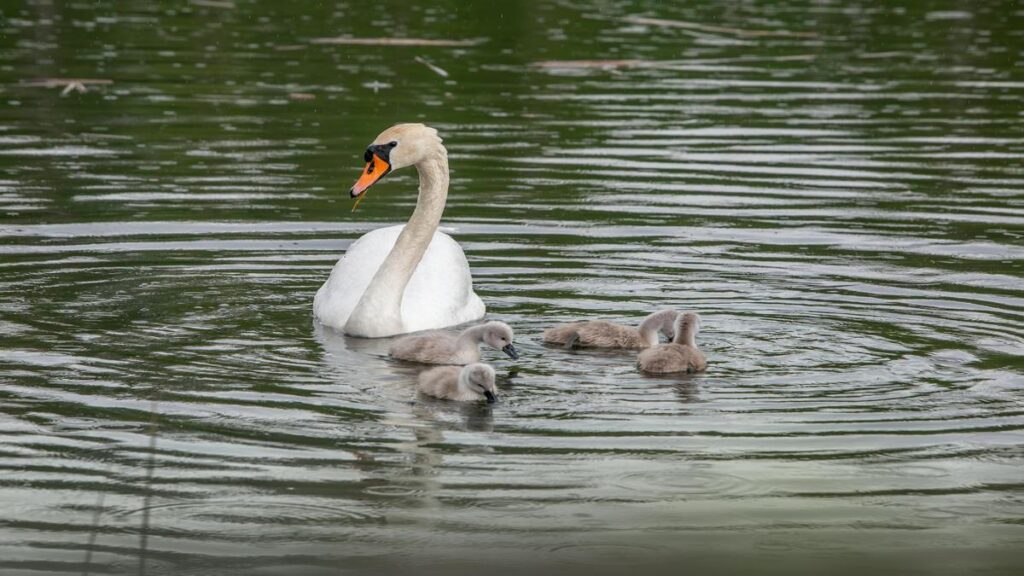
(393, 143)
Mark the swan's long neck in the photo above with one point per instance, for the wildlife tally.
(379, 312)
(471, 337)
(686, 333)
(651, 325)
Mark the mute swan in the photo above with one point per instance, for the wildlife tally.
(401, 279)
(444, 348)
(680, 355)
(601, 334)
(465, 383)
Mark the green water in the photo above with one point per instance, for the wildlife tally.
(837, 187)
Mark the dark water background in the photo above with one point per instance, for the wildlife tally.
(838, 188)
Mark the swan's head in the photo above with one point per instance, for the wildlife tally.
(479, 379)
(397, 147)
(499, 335)
(668, 323)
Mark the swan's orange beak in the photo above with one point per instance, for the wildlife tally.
(375, 169)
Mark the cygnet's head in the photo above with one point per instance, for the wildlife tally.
(668, 323)
(479, 379)
(687, 326)
(397, 147)
(499, 335)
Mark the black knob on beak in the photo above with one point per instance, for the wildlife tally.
(511, 351)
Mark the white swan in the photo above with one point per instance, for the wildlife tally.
(407, 278)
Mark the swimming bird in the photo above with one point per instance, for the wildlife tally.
(464, 384)
(444, 348)
(404, 278)
(602, 334)
(680, 355)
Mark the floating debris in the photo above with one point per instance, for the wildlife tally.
(224, 4)
(881, 55)
(395, 42)
(376, 86)
(301, 96)
(716, 29)
(604, 64)
(76, 86)
(69, 84)
(436, 69)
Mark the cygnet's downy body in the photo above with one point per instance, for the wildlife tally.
(445, 348)
(602, 334)
(469, 383)
(680, 355)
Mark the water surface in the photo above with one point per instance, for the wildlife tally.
(838, 188)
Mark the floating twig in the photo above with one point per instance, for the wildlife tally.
(376, 85)
(716, 29)
(58, 82)
(604, 64)
(68, 84)
(225, 4)
(395, 42)
(76, 86)
(436, 69)
(301, 96)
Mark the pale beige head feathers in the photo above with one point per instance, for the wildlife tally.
(412, 143)
(479, 379)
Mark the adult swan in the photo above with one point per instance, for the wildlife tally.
(407, 278)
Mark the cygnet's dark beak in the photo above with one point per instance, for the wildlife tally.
(491, 398)
(511, 351)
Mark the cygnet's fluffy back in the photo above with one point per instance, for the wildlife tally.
(443, 348)
(434, 348)
(680, 355)
(604, 334)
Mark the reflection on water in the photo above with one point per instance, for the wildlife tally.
(837, 189)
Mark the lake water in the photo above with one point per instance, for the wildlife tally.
(837, 187)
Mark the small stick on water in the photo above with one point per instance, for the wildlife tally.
(394, 42)
(358, 200)
(603, 64)
(716, 29)
(226, 5)
(70, 84)
(76, 86)
(436, 69)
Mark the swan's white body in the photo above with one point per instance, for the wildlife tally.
(402, 279)
(439, 294)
